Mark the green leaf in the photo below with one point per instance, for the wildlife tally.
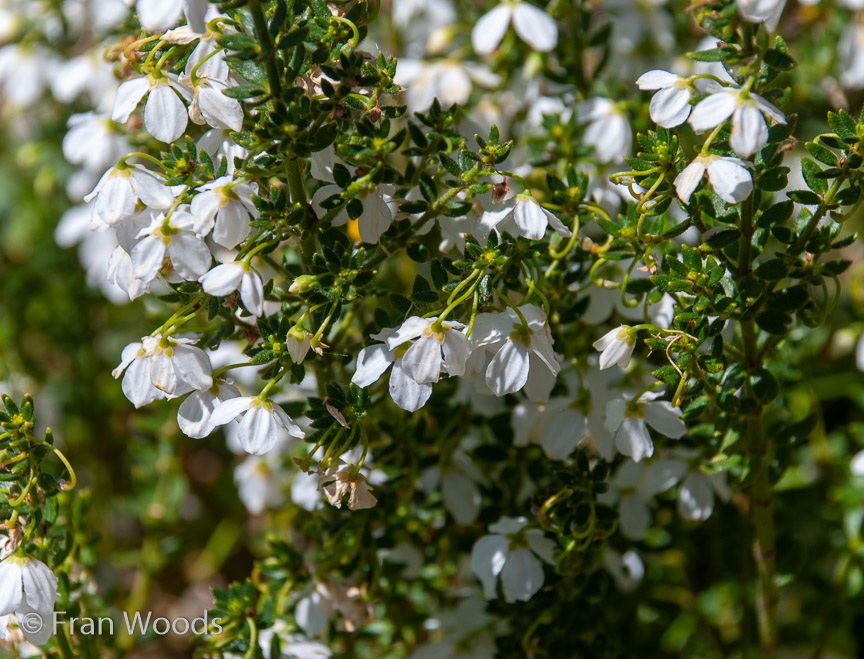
(244, 91)
(776, 214)
(764, 385)
(779, 60)
(667, 375)
(837, 267)
(772, 270)
(811, 172)
(823, 155)
(773, 322)
(804, 197)
(450, 165)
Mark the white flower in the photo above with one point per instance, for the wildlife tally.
(342, 479)
(511, 555)
(258, 430)
(749, 130)
(226, 278)
(533, 25)
(448, 80)
(670, 106)
(626, 569)
(435, 345)
(218, 144)
(521, 215)
(211, 106)
(457, 482)
(615, 347)
(629, 420)
(850, 56)
(637, 485)
(120, 189)
(28, 586)
(375, 359)
(556, 426)
(608, 130)
(223, 206)
(762, 11)
(696, 495)
(729, 177)
(162, 367)
(164, 112)
(193, 416)
(298, 342)
(159, 15)
(92, 142)
(856, 464)
(175, 238)
(262, 482)
(523, 352)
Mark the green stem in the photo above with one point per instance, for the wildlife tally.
(267, 50)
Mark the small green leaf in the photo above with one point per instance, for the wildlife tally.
(804, 197)
(764, 385)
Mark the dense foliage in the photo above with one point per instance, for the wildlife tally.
(522, 329)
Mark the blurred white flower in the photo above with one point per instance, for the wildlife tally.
(616, 347)
(608, 130)
(762, 11)
(629, 420)
(511, 555)
(533, 25)
(28, 586)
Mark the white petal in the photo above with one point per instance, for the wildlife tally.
(410, 329)
(535, 27)
(749, 132)
(150, 188)
(220, 111)
(490, 29)
(670, 107)
(665, 419)
(488, 556)
(455, 348)
(189, 255)
(688, 180)
(193, 416)
(164, 114)
(712, 111)
(541, 545)
(129, 94)
(232, 225)
(11, 590)
(768, 109)
(635, 518)
(223, 279)
(229, 410)
(371, 363)
(422, 361)
(560, 436)
(252, 293)
(137, 386)
(530, 219)
(731, 181)
(40, 585)
(522, 576)
(660, 475)
(633, 439)
(461, 497)
(657, 79)
(257, 431)
(147, 257)
(695, 498)
(508, 370)
(405, 392)
(287, 422)
(158, 15)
